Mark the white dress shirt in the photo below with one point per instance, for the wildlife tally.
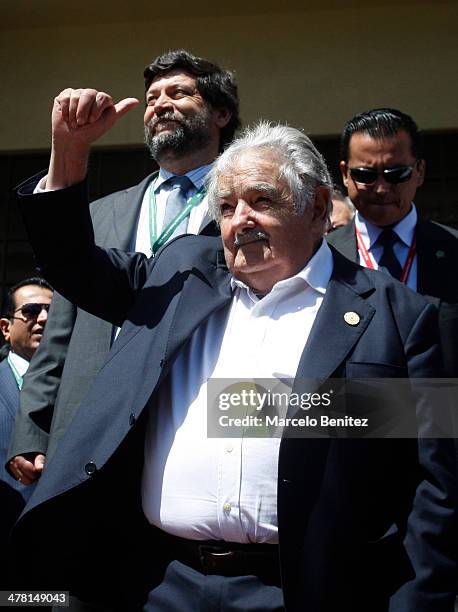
(20, 364)
(405, 231)
(226, 489)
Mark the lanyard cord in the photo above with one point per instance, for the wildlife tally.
(370, 264)
(155, 241)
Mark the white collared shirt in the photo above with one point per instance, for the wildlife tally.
(405, 231)
(20, 364)
(226, 488)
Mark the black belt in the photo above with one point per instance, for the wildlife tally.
(226, 558)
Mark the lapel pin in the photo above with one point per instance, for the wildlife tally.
(352, 318)
(440, 254)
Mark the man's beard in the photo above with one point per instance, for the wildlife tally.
(189, 133)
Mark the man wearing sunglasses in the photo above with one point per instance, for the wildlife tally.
(382, 167)
(25, 315)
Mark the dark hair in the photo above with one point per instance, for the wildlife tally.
(216, 86)
(382, 123)
(10, 301)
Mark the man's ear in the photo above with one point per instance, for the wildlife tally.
(344, 171)
(221, 116)
(421, 169)
(5, 325)
(320, 204)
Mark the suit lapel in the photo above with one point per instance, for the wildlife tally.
(199, 300)
(344, 240)
(206, 220)
(346, 293)
(433, 266)
(114, 224)
(10, 390)
(126, 211)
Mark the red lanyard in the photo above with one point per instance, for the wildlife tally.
(369, 263)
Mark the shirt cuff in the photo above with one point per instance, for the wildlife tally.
(41, 186)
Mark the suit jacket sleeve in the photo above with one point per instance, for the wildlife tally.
(39, 395)
(41, 383)
(103, 282)
(432, 527)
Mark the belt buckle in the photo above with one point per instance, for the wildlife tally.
(214, 559)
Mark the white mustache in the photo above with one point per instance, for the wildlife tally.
(251, 236)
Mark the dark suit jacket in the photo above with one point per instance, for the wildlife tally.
(437, 281)
(9, 402)
(437, 264)
(13, 494)
(75, 344)
(342, 504)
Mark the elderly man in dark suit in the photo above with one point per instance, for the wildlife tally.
(191, 114)
(164, 517)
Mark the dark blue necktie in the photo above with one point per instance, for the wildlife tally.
(388, 260)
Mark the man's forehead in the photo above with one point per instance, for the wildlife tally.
(250, 179)
(31, 293)
(252, 165)
(172, 77)
(362, 143)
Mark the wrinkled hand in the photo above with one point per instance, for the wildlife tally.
(27, 468)
(79, 118)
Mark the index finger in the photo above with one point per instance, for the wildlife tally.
(63, 102)
(92, 105)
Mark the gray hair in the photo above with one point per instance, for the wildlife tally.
(303, 167)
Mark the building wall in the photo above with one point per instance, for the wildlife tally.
(314, 64)
(313, 68)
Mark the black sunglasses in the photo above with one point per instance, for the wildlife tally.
(31, 310)
(368, 176)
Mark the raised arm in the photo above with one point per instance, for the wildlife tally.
(58, 221)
